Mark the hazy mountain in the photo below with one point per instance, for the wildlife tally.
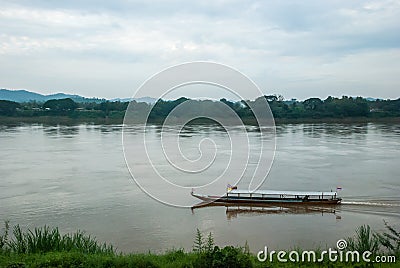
(20, 95)
(26, 96)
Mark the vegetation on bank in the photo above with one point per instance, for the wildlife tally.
(46, 247)
(312, 109)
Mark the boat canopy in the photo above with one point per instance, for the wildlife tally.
(271, 192)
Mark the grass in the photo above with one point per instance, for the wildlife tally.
(46, 247)
(390, 239)
(364, 240)
(45, 239)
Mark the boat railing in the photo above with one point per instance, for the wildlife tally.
(255, 195)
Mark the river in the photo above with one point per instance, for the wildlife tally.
(75, 177)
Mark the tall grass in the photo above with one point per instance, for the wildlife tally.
(198, 243)
(390, 239)
(364, 240)
(4, 236)
(46, 239)
(202, 244)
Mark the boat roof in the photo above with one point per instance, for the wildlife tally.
(272, 192)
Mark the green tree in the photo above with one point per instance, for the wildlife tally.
(271, 98)
(61, 105)
(314, 104)
(8, 108)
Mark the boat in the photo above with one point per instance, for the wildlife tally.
(272, 197)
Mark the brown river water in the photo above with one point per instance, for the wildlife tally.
(75, 177)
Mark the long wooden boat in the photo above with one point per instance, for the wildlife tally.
(272, 197)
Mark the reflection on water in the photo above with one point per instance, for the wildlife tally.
(346, 130)
(235, 210)
(8, 129)
(61, 131)
(108, 128)
(75, 177)
(373, 207)
(356, 130)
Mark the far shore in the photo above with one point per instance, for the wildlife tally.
(66, 120)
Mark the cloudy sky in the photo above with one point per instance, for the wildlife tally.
(105, 48)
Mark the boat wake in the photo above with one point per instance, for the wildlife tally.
(368, 203)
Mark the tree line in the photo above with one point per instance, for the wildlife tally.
(331, 107)
(63, 107)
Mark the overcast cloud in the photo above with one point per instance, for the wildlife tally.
(299, 49)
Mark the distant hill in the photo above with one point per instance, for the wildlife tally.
(20, 95)
(26, 96)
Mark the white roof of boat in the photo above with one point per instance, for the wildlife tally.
(272, 192)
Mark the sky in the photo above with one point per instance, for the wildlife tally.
(298, 49)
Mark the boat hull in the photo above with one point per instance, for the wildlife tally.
(277, 201)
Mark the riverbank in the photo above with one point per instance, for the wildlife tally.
(345, 120)
(172, 259)
(58, 120)
(46, 247)
(66, 120)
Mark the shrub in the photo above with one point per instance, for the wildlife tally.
(229, 256)
(390, 239)
(364, 240)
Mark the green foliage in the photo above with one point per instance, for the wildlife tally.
(46, 239)
(202, 244)
(45, 247)
(390, 239)
(198, 243)
(209, 255)
(108, 107)
(228, 256)
(209, 246)
(312, 108)
(8, 108)
(162, 108)
(4, 236)
(383, 108)
(174, 255)
(246, 248)
(364, 240)
(61, 105)
(314, 104)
